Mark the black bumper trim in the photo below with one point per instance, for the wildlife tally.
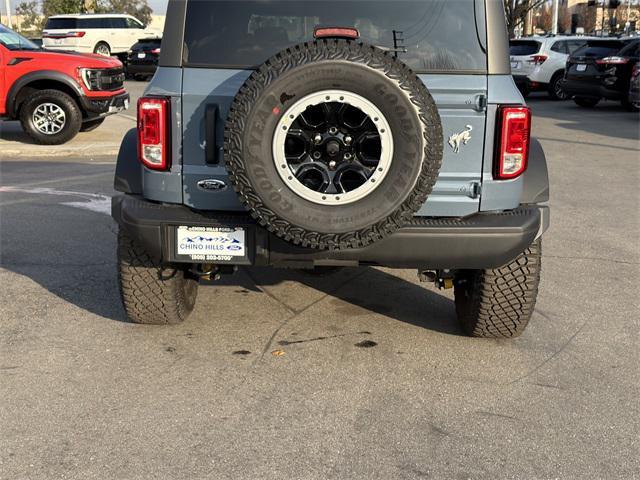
(484, 240)
(101, 106)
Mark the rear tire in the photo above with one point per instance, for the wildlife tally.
(151, 293)
(631, 106)
(91, 125)
(102, 48)
(498, 303)
(586, 102)
(50, 117)
(555, 88)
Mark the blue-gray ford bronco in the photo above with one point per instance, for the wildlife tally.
(318, 134)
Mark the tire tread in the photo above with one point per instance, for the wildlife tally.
(499, 302)
(149, 297)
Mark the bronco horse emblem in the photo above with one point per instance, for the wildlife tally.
(457, 139)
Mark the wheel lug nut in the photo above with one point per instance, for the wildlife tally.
(333, 130)
(317, 155)
(332, 164)
(348, 140)
(317, 139)
(347, 156)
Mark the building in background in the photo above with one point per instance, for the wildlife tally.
(594, 16)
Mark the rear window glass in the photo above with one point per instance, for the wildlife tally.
(60, 24)
(631, 50)
(523, 47)
(77, 23)
(598, 48)
(428, 35)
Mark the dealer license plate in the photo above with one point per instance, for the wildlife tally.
(211, 243)
(581, 67)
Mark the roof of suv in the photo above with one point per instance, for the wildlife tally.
(93, 15)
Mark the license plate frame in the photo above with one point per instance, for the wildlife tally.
(228, 244)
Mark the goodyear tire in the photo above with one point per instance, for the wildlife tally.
(333, 144)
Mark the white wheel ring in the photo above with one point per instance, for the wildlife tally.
(341, 96)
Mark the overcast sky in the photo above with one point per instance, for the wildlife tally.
(159, 6)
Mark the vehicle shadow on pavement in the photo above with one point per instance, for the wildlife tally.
(13, 132)
(357, 291)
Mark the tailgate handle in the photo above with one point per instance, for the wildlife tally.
(210, 130)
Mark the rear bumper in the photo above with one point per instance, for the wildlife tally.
(590, 89)
(103, 106)
(522, 82)
(484, 240)
(134, 68)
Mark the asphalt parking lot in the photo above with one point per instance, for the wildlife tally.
(374, 379)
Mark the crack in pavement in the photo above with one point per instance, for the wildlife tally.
(597, 259)
(547, 360)
(297, 313)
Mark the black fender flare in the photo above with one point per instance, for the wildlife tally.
(25, 80)
(535, 187)
(128, 177)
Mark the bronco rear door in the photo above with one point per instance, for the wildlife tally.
(441, 40)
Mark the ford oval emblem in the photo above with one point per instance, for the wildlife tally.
(212, 185)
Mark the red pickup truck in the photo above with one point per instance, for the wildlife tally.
(55, 95)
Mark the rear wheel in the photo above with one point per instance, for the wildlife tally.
(556, 92)
(102, 48)
(586, 102)
(152, 293)
(50, 117)
(631, 106)
(498, 302)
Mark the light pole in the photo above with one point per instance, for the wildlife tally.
(554, 27)
(7, 4)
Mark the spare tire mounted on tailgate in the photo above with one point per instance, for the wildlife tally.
(333, 144)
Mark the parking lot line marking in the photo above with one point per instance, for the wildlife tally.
(607, 146)
(94, 202)
(61, 180)
(130, 117)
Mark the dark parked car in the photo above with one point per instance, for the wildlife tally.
(601, 69)
(142, 59)
(634, 87)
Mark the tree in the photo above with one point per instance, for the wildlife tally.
(136, 8)
(30, 18)
(516, 11)
(564, 22)
(58, 7)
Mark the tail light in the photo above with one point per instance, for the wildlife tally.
(513, 149)
(156, 51)
(538, 59)
(153, 133)
(64, 35)
(341, 32)
(612, 61)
